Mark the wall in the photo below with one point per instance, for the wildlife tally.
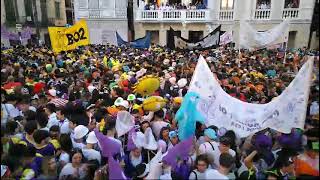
(105, 31)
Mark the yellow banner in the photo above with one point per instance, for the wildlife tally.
(63, 39)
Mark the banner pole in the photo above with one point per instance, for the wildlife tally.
(285, 52)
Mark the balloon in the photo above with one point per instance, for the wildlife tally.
(154, 103)
(147, 85)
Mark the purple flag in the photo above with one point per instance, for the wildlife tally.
(130, 144)
(178, 152)
(115, 170)
(108, 146)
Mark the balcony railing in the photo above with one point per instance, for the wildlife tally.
(226, 15)
(173, 15)
(262, 14)
(290, 13)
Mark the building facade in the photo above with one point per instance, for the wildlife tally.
(36, 14)
(196, 23)
(104, 18)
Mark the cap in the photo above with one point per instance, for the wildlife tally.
(210, 133)
(131, 97)
(120, 102)
(173, 134)
(92, 139)
(182, 82)
(52, 92)
(80, 131)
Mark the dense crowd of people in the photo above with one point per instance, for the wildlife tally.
(56, 107)
(175, 6)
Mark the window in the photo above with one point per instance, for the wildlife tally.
(226, 4)
(93, 4)
(28, 7)
(263, 4)
(291, 3)
(57, 7)
(44, 12)
(10, 14)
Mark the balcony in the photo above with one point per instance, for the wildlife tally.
(173, 15)
(226, 15)
(262, 14)
(290, 13)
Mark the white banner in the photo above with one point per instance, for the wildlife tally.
(226, 37)
(252, 39)
(285, 112)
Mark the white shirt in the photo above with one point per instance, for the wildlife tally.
(207, 148)
(216, 155)
(69, 170)
(64, 127)
(10, 110)
(314, 108)
(52, 120)
(91, 154)
(214, 174)
(65, 157)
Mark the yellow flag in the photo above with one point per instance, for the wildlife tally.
(63, 39)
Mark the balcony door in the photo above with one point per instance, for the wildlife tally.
(263, 4)
(291, 3)
(226, 4)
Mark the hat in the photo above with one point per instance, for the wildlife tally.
(49, 67)
(80, 131)
(90, 106)
(91, 88)
(52, 92)
(173, 134)
(142, 170)
(131, 97)
(172, 80)
(210, 133)
(120, 102)
(166, 61)
(92, 139)
(182, 82)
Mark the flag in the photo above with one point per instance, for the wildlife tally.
(130, 143)
(187, 116)
(226, 38)
(178, 152)
(146, 140)
(140, 43)
(218, 108)
(124, 122)
(115, 170)
(108, 146)
(252, 39)
(63, 39)
(212, 40)
(155, 166)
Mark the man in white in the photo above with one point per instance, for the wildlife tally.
(226, 162)
(209, 145)
(50, 111)
(88, 152)
(223, 147)
(63, 121)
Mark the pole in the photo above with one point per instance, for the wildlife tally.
(285, 52)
